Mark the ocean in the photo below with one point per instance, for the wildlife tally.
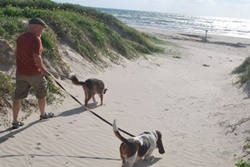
(199, 24)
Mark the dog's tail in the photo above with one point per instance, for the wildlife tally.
(105, 90)
(76, 81)
(117, 133)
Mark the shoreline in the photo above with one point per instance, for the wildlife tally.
(200, 32)
(170, 34)
(236, 27)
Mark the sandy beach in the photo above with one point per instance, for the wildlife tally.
(187, 93)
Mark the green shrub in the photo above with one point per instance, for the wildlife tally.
(244, 71)
(6, 88)
(242, 68)
(242, 163)
(55, 94)
(84, 29)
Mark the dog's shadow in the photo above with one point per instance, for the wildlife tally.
(93, 105)
(143, 163)
(78, 110)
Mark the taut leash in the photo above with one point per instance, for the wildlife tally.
(61, 75)
(85, 106)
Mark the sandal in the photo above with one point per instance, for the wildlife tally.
(16, 125)
(47, 115)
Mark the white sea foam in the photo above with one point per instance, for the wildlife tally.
(214, 25)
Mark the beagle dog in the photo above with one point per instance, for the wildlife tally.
(91, 87)
(141, 146)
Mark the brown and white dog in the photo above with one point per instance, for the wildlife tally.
(91, 87)
(138, 147)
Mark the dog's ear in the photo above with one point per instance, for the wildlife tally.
(159, 142)
(159, 135)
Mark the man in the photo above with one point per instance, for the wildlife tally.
(30, 70)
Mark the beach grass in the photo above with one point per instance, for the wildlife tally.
(244, 71)
(242, 163)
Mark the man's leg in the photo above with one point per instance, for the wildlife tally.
(41, 105)
(16, 109)
(40, 86)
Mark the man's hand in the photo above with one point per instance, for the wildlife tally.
(39, 63)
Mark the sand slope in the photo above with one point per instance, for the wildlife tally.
(190, 99)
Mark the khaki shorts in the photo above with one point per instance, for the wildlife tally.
(25, 82)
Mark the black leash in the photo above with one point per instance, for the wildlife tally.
(86, 107)
(64, 76)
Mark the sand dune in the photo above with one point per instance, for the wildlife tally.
(186, 93)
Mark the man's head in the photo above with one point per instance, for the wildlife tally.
(38, 21)
(36, 26)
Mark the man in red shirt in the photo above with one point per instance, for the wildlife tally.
(30, 70)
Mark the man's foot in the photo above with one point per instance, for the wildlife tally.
(46, 116)
(16, 125)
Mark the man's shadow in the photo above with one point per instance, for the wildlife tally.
(13, 132)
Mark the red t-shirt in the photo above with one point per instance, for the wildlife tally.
(27, 45)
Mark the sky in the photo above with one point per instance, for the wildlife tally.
(217, 8)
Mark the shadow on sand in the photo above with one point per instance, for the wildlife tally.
(143, 163)
(78, 110)
(246, 89)
(139, 163)
(14, 132)
(200, 38)
(69, 156)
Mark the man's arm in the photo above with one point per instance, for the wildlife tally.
(39, 63)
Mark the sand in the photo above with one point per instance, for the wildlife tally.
(187, 93)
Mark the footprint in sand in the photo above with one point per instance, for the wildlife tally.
(58, 138)
(38, 146)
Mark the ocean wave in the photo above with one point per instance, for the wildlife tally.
(215, 25)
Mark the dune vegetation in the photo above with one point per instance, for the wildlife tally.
(244, 71)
